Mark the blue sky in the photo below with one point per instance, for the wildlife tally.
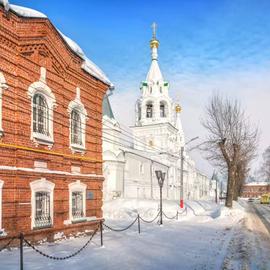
(196, 36)
(205, 46)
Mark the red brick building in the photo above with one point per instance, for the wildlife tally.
(255, 190)
(50, 128)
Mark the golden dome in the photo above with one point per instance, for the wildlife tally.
(178, 108)
(154, 43)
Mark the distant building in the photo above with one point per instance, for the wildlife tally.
(50, 129)
(153, 143)
(255, 189)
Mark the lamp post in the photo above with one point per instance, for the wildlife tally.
(182, 172)
(160, 177)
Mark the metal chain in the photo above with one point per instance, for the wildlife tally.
(150, 221)
(185, 210)
(8, 243)
(121, 230)
(65, 257)
(174, 217)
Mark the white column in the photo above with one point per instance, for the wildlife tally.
(3, 86)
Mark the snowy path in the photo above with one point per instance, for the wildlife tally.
(204, 241)
(249, 248)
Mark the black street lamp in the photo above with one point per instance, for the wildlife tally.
(160, 177)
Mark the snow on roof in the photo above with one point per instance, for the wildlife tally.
(144, 154)
(87, 64)
(26, 12)
(257, 184)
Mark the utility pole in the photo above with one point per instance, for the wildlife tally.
(182, 172)
(182, 178)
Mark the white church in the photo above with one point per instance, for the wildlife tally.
(131, 157)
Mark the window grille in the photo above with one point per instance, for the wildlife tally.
(77, 205)
(40, 115)
(76, 128)
(149, 111)
(42, 216)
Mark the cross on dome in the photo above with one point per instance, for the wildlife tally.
(154, 27)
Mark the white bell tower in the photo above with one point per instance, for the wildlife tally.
(154, 105)
(158, 121)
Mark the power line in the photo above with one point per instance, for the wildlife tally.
(83, 130)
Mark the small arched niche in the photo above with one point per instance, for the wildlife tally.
(149, 109)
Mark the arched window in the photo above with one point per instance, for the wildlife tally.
(76, 127)
(42, 103)
(42, 203)
(78, 117)
(40, 115)
(77, 201)
(42, 214)
(162, 110)
(139, 112)
(149, 110)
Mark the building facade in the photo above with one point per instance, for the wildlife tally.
(153, 143)
(255, 189)
(50, 128)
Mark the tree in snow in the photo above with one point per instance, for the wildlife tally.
(231, 142)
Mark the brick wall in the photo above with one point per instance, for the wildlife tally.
(254, 191)
(26, 45)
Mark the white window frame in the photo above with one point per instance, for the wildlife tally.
(1, 203)
(3, 87)
(40, 87)
(77, 186)
(77, 105)
(41, 185)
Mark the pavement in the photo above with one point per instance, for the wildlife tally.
(249, 248)
(263, 211)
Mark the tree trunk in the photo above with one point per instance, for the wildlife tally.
(236, 187)
(230, 187)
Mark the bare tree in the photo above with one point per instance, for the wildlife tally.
(265, 169)
(231, 141)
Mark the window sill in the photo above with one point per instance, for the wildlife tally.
(79, 220)
(77, 148)
(42, 227)
(42, 139)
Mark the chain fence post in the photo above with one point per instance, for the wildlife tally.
(177, 215)
(21, 250)
(139, 224)
(101, 232)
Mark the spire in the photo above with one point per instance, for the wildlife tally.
(154, 73)
(178, 124)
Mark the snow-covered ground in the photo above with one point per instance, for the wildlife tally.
(206, 237)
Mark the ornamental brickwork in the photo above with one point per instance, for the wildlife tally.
(28, 48)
